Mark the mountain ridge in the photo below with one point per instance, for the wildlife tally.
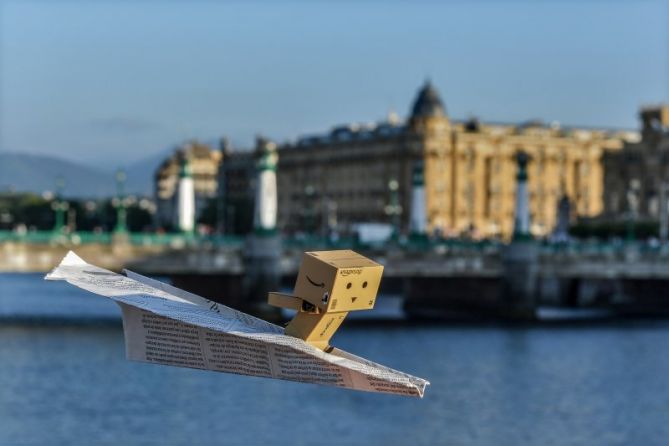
(37, 173)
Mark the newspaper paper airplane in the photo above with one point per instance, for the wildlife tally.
(165, 325)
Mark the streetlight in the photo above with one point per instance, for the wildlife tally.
(309, 209)
(120, 203)
(633, 207)
(330, 219)
(664, 212)
(59, 206)
(393, 209)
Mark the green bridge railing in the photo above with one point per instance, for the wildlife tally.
(106, 238)
(312, 242)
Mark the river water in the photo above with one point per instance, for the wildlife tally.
(64, 381)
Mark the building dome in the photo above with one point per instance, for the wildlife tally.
(428, 103)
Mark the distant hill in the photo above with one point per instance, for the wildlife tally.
(38, 173)
(140, 173)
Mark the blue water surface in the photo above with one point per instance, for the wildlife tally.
(66, 382)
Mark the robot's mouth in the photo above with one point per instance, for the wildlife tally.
(320, 285)
(353, 299)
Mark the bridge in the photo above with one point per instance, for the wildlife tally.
(435, 277)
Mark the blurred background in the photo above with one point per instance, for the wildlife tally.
(507, 162)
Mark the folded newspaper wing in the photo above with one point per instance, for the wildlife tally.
(166, 325)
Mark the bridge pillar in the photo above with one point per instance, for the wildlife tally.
(120, 244)
(262, 257)
(521, 257)
(520, 280)
(262, 254)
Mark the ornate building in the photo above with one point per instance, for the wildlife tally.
(469, 171)
(636, 175)
(204, 165)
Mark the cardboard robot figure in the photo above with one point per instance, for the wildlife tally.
(329, 285)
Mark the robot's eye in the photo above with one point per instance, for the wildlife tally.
(364, 284)
(326, 297)
(348, 286)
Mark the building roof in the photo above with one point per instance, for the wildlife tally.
(428, 103)
(351, 133)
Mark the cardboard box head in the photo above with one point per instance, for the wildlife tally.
(338, 280)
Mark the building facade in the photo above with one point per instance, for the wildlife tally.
(204, 166)
(363, 173)
(636, 175)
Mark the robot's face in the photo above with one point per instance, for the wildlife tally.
(338, 280)
(356, 288)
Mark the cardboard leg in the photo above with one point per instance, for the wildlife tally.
(316, 329)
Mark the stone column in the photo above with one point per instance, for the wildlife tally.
(265, 209)
(186, 199)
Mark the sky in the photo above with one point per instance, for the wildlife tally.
(115, 82)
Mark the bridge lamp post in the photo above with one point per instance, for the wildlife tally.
(394, 209)
(120, 203)
(309, 209)
(664, 212)
(60, 206)
(330, 219)
(633, 208)
(418, 215)
(521, 224)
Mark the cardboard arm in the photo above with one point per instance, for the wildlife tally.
(284, 301)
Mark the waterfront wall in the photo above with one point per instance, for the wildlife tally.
(30, 258)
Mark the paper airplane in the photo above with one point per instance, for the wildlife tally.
(165, 325)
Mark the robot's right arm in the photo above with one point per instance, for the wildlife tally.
(291, 302)
(284, 301)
